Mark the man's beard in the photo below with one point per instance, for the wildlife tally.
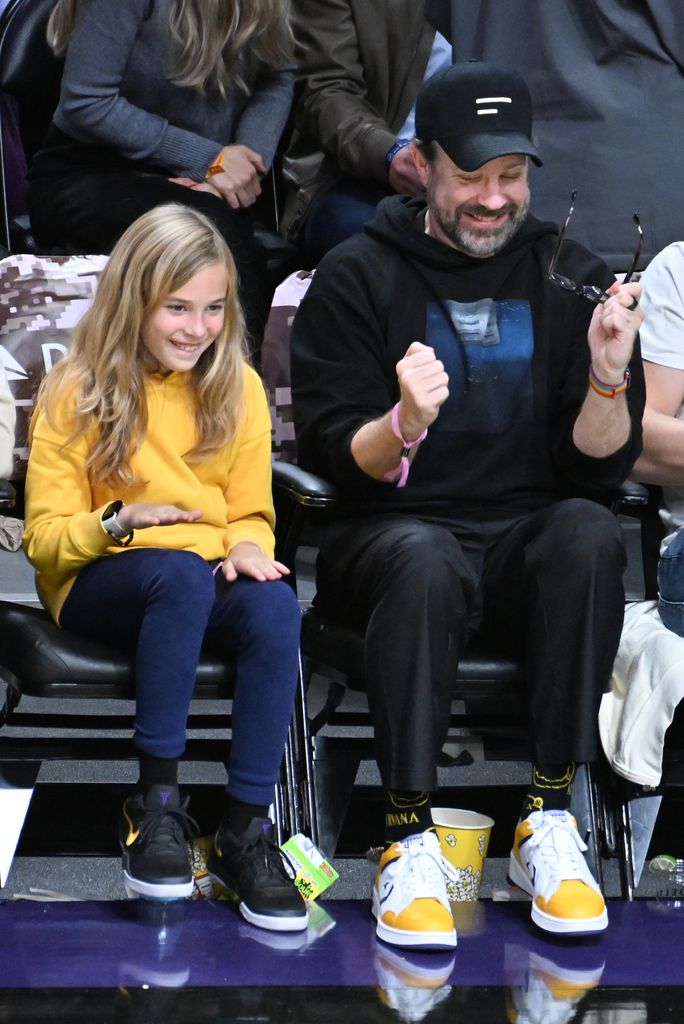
(480, 243)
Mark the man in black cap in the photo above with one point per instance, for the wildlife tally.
(606, 82)
(471, 408)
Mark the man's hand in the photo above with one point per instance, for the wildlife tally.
(403, 174)
(238, 182)
(603, 425)
(140, 515)
(612, 331)
(247, 559)
(424, 387)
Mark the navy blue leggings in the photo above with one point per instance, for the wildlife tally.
(167, 603)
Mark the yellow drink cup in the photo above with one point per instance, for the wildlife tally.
(464, 838)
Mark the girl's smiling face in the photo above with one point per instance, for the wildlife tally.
(187, 322)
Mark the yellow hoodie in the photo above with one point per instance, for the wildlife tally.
(232, 487)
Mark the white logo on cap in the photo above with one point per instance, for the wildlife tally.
(491, 99)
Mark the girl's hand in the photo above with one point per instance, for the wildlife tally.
(140, 515)
(247, 559)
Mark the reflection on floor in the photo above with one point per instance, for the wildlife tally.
(139, 961)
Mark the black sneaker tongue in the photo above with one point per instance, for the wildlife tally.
(256, 828)
(162, 798)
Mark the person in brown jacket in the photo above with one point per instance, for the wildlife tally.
(360, 67)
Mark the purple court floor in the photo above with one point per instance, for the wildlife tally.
(198, 961)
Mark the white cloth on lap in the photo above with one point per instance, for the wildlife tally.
(646, 687)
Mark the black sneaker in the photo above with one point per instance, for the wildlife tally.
(153, 831)
(252, 867)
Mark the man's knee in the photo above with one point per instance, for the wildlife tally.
(582, 532)
(424, 557)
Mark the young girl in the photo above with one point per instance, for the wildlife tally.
(149, 522)
(164, 101)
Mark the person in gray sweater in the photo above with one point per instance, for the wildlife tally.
(163, 101)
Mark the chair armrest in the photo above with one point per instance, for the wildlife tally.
(8, 496)
(631, 495)
(296, 494)
(313, 491)
(642, 503)
(301, 487)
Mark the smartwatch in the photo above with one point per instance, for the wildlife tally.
(119, 534)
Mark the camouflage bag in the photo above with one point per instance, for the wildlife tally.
(275, 362)
(42, 298)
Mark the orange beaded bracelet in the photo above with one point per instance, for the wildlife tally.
(217, 166)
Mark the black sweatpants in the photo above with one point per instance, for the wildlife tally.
(545, 584)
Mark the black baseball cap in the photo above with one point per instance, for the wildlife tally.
(476, 112)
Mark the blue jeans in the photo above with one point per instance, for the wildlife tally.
(166, 604)
(339, 212)
(671, 584)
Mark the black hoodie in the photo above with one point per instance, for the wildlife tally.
(513, 343)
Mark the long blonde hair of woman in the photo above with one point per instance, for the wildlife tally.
(208, 36)
(107, 363)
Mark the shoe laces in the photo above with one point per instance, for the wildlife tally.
(268, 861)
(163, 826)
(559, 846)
(420, 869)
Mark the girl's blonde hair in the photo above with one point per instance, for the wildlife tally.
(107, 364)
(208, 36)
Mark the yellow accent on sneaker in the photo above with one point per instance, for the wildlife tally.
(573, 900)
(133, 832)
(547, 862)
(421, 915)
(409, 896)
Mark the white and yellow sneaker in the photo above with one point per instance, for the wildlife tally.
(547, 861)
(410, 902)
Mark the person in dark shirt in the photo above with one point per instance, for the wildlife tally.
(474, 412)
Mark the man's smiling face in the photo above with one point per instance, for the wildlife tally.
(476, 212)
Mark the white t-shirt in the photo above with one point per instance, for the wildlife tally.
(662, 342)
